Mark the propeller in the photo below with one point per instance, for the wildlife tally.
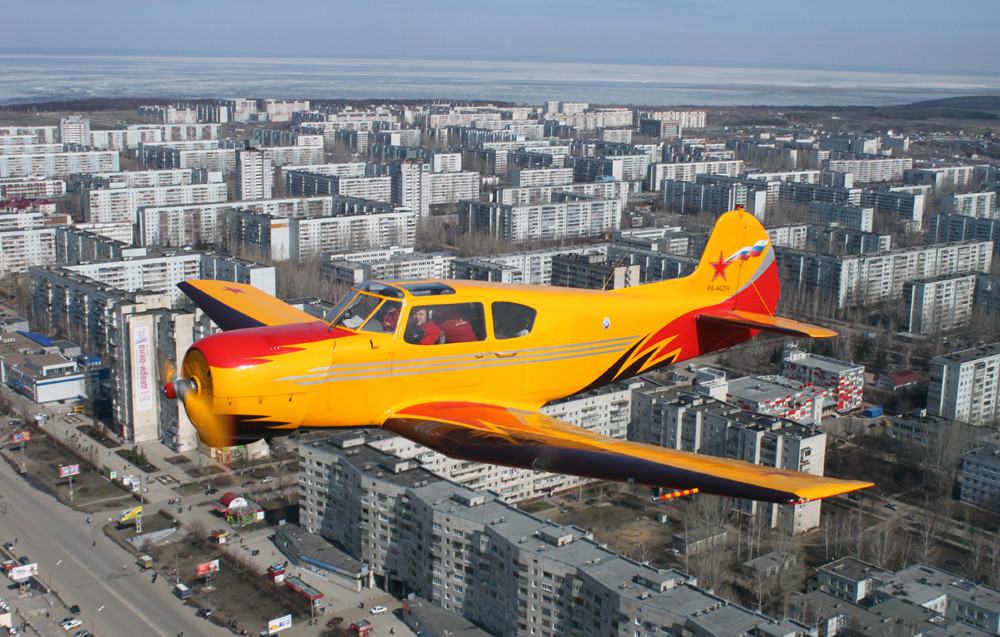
(188, 385)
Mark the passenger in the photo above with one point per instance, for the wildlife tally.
(422, 330)
(456, 327)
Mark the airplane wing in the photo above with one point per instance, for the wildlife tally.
(236, 306)
(531, 440)
(766, 322)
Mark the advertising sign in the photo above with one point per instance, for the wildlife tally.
(20, 436)
(68, 470)
(21, 573)
(142, 367)
(207, 568)
(279, 624)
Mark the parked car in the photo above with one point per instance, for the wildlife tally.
(70, 623)
(9, 546)
(204, 612)
(247, 483)
(266, 479)
(83, 633)
(378, 610)
(892, 506)
(211, 491)
(24, 559)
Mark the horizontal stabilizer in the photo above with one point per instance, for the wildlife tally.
(766, 322)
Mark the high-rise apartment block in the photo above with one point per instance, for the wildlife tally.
(74, 130)
(965, 385)
(939, 304)
(254, 174)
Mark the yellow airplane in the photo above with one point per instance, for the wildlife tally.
(462, 367)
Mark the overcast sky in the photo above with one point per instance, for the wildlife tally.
(919, 35)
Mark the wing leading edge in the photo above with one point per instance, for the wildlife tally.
(531, 440)
(236, 306)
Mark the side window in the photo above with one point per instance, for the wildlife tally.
(511, 320)
(385, 319)
(450, 323)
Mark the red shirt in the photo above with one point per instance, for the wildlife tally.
(458, 330)
(431, 333)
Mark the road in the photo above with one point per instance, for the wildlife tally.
(60, 541)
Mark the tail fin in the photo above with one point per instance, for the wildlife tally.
(735, 286)
(737, 269)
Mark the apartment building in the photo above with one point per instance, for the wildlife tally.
(846, 380)
(942, 177)
(681, 419)
(868, 171)
(852, 217)
(117, 205)
(367, 225)
(531, 266)
(593, 272)
(965, 385)
(688, 171)
(477, 556)
(22, 248)
(31, 188)
(621, 167)
(64, 164)
(853, 280)
(528, 178)
(543, 194)
(74, 129)
(399, 267)
(577, 217)
(179, 226)
(982, 205)
(34, 134)
(939, 304)
(254, 174)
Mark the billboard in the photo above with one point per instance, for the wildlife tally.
(68, 470)
(142, 367)
(279, 624)
(20, 436)
(207, 568)
(21, 573)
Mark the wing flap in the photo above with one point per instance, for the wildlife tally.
(531, 440)
(234, 306)
(766, 322)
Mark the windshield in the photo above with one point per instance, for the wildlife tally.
(341, 304)
(359, 310)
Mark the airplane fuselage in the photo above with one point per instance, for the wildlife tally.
(331, 375)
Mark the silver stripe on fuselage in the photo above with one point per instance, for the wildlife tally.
(448, 361)
(472, 365)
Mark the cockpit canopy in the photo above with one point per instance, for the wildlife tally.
(373, 306)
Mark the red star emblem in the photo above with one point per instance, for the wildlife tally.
(720, 268)
(239, 291)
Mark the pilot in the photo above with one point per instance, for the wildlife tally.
(456, 327)
(422, 330)
(390, 320)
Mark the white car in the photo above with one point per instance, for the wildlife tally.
(267, 479)
(378, 610)
(70, 623)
